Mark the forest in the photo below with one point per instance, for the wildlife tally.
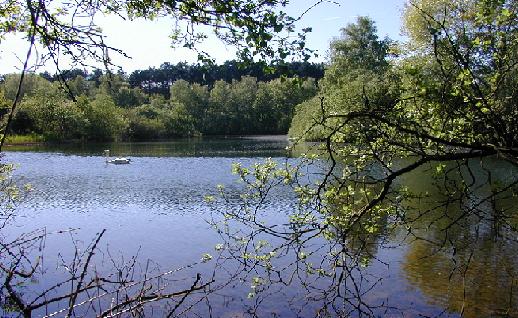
(171, 101)
(402, 203)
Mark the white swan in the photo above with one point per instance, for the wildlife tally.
(116, 161)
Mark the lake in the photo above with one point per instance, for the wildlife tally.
(155, 208)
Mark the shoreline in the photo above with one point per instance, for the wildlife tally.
(85, 142)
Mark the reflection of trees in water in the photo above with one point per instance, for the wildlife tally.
(308, 259)
(478, 282)
(439, 106)
(463, 246)
(459, 226)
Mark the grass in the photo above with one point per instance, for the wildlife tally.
(24, 139)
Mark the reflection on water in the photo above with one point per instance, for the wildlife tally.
(155, 205)
(249, 146)
(465, 259)
(151, 203)
(481, 284)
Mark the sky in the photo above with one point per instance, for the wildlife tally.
(148, 43)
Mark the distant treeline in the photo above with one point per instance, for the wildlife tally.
(158, 104)
(159, 80)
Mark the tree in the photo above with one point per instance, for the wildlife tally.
(31, 84)
(158, 81)
(448, 102)
(52, 115)
(264, 118)
(251, 26)
(79, 86)
(144, 123)
(217, 113)
(105, 119)
(443, 111)
(242, 97)
(286, 94)
(179, 122)
(195, 99)
(359, 72)
(359, 47)
(68, 29)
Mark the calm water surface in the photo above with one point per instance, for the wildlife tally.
(154, 207)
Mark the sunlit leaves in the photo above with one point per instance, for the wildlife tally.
(10, 192)
(206, 258)
(251, 26)
(255, 28)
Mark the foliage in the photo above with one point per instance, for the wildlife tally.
(110, 110)
(446, 105)
(449, 98)
(105, 120)
(359, 73)
(218, 111)
(255, 28)
(51, 115)
(306, 114)
(67, 30)
(158, 80)
(358, 47)
(25, 139)
(30, 85)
